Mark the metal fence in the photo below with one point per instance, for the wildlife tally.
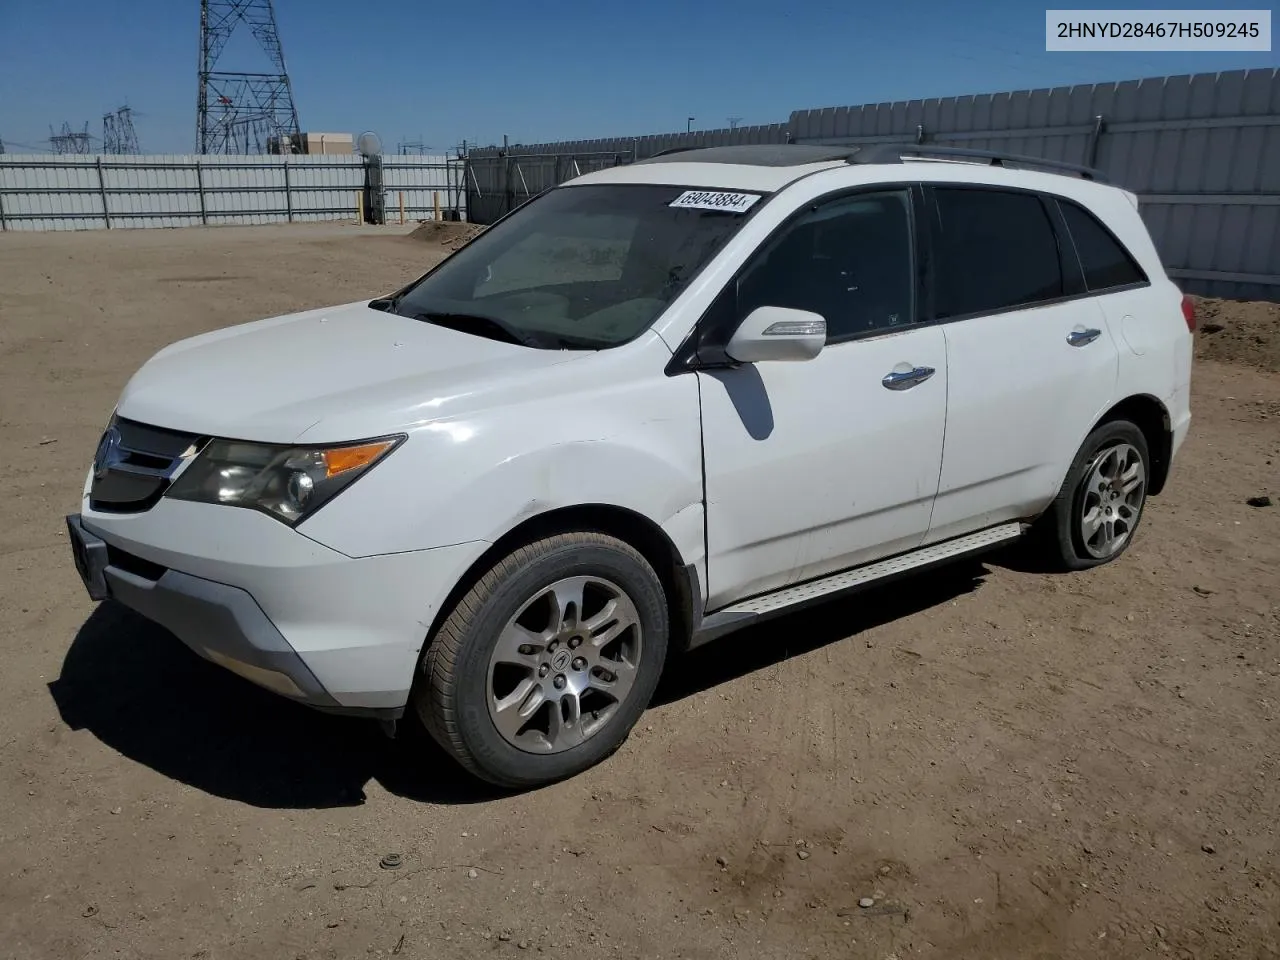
(86, 192)
(500, 179)
(424, 187)
(1201, 151)
(498, 183)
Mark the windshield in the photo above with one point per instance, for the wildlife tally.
(585, 267)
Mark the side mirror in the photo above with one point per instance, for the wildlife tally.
(778, 333)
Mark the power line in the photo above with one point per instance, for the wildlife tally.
(238, 111)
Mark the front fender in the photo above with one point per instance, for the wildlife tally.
(597, 472)
(632, 444)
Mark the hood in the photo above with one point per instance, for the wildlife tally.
(274, 380)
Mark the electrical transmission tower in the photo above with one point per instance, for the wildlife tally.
(118, 135)
(239, 112)
(70, 141)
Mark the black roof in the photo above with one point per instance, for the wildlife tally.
(797, 154)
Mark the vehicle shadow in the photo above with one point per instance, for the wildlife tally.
(812, 628)
(1023, 556)
(141, 692)
(746, 391)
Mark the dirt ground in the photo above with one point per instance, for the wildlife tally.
(1240, 333)
(1013, 765)
(451, 236)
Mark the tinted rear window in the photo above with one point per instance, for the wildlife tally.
(997, 250)
(1105, 261)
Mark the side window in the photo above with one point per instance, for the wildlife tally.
(996, 250)
(848, 259)
(1105, 262)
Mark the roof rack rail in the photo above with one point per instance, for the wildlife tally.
(893, 153)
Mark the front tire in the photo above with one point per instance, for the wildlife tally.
(1096, 513)
(543, 667)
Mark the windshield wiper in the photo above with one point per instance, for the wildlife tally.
(474, 322)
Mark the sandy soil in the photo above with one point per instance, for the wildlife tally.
(1240, 332)
(1014, 765)
(443, 233)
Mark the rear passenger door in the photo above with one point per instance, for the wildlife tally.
(1031, 362)
(1121, 288)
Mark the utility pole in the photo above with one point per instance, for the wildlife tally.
(118, 135)
(239, 111)
(70, 141)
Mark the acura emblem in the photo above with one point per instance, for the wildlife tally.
(107, 452)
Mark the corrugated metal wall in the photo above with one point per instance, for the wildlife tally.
(87, 192)
(1202, 151)
(420, 180)
(499, 181)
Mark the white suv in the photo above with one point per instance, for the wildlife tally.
(650, 406)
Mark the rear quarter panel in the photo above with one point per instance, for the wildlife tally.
(1147, 323)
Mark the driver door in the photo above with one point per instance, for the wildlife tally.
(816, 466)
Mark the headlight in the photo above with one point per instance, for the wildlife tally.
(287, 482)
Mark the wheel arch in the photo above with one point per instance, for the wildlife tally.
(1151, 417)
(679, 580)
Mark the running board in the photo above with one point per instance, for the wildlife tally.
(746, 612)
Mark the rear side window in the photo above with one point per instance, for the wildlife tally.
(1105, 261)
(997, 250)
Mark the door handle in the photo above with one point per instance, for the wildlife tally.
(1080, 338)
(905, 381)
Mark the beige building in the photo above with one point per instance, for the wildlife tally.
(340, 143)
(328, 143)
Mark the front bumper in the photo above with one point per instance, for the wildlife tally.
(223, 624)
(242, 590)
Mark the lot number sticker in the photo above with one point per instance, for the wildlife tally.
(715, 200)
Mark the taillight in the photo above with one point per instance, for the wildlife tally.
(1189, 313)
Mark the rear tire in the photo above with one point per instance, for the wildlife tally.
(543, 667)
(1097, 512)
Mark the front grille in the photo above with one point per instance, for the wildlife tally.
(135, 464)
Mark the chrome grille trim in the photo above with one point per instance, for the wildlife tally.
(135, 463)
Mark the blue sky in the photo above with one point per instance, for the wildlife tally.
(562, 69)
